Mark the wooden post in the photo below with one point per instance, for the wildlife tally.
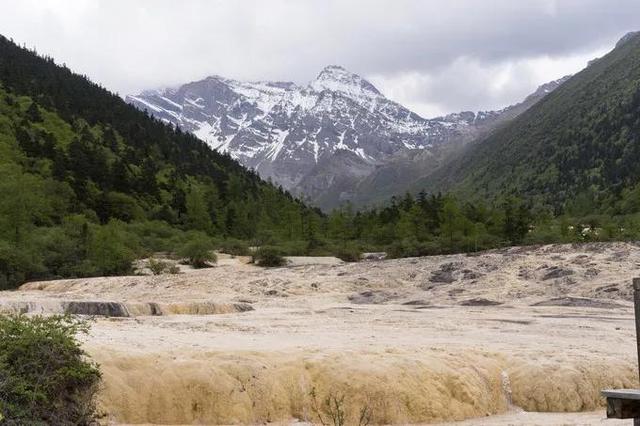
(625, 403)
(636, 307)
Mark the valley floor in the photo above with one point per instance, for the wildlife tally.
(421, 340)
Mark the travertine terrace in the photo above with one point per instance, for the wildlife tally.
(419, 340)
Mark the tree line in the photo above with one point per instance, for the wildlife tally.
(89, 183)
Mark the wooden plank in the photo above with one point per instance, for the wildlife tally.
(622, 393)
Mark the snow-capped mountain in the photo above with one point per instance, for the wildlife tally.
(282, 129)
(310, 138)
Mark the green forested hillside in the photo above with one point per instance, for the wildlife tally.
(87, 181)
(576, 150)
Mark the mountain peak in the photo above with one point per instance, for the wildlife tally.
(339, 79)
(335, 71)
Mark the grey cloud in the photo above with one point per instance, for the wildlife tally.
(127, 45)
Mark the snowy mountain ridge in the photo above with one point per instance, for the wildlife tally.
(289, 132)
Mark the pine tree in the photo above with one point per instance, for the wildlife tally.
(33, 113)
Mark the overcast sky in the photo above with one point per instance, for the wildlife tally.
(434, 56)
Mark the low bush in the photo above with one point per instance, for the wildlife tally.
(17, 265)
(111, 250)
(292, 248)
(235, 247)
(199, 253)
(348, 253)
(269, 256)
(157, 235)
(157, 267)
(45, 376)
(410, 247)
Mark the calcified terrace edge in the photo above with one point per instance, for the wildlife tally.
(418, 340)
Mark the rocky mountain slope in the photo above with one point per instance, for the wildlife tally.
(319, 140)
(408, 170)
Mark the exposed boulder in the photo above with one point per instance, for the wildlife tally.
(554, 272)
(443, 277)
(480, 301)
(416, 303)
(374, 256)
(372, 297)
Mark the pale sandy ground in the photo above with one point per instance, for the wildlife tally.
(388, 335)
(522, 418)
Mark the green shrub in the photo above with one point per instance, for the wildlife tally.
(319, 247)
(411, 247)
(264, 237)
(62, 248)
(173, 269)
(292, 248)
(269, 256)
(235, 247)
(348, 253)
(157, 235)
(199, 252)
(17, 265)
(121, 206)
(45, 377)
(112, 249)
(157, 267)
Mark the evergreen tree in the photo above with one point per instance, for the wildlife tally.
(450, 217)
(197, 216)
(516, 220)
(33, 113)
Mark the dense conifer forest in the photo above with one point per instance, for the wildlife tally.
(89, 183)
